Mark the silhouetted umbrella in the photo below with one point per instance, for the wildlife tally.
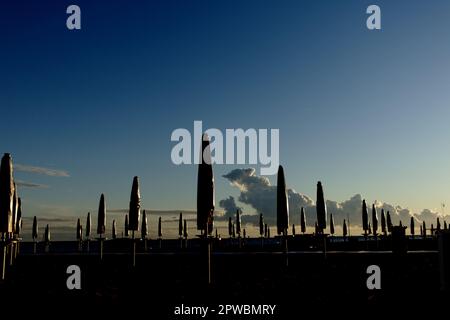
(15, 209)
(344, 229)
(261, 224)
(389, 222)
(217, 234)
(35, 230)
(6, 194)
(234, 231)
(180, 225)
(114, 230)
(282, 203)
(244, 233)
(101, 221)
(303, 221)
(374, 220)
(421, 231)
(438, 224)
(88, 225)
(205, 188)
(238, 222)
(19, 217)
(135, 207)
(365, 217)
(321, 209)
(159, 231)
(293, 229)
(424, 229)
(79, 231)
(331, 224)
(47, 234)
(159, 228)
(268, 232)
(144, 231)
(432, 229)
(127, 232)
(230, 227)
(370, 228)
(412, 226)
(383, 222)
(185, 229)
(265, 230)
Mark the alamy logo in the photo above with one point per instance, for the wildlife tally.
(237, 142)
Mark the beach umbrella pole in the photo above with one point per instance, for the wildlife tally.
(134, 248)
(101, 247)
(4, 259)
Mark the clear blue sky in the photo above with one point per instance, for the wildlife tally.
(364, 111)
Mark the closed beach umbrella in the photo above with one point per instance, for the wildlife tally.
(159, 228)
(144, 231)
(127, 232)
(282, 203)
(238, 222)
(261, 224)
(374, 220)
(303, 220)
(35, 230)
(365, 217)
(383, 222)
(101, 222)
(321, 209)
(88, 225)
(114, 230)
(6, 194)
(205, 188)
(344, 229)
(180, 225)
(79, 231)
(331, 224)
(135, 206)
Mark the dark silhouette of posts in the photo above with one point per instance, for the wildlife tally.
(35, 233)
(412, 227)
(127, 230)
(159, 232)
(134, 214)
(6, 205)
(47, 238)
(282, 210)
(205, 196)
(344, 230)
(261, 229)
(331, 224)
(185, 233)
(389, 222)
(180, 229)
(88, 231)
(79, 235)
(375, 223)
(321, 211)
(101, 223)
(383, 223)
(114, 230)
(302, 220)
(144, 230)
(238, 226)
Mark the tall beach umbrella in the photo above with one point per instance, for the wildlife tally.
(205, 188)
(282, 203)
(374, 220)
(365, 217)
(321, 209)
(302, 220)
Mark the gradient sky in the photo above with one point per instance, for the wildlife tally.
(363, 111)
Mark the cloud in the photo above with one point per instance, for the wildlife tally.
(229, 205)
(257, 192)
(41, 170)
(25, 184)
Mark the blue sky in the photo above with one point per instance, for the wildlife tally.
(363, 111)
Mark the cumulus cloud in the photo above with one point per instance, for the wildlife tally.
(229, 206)
(41, 170)
(257, 192)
